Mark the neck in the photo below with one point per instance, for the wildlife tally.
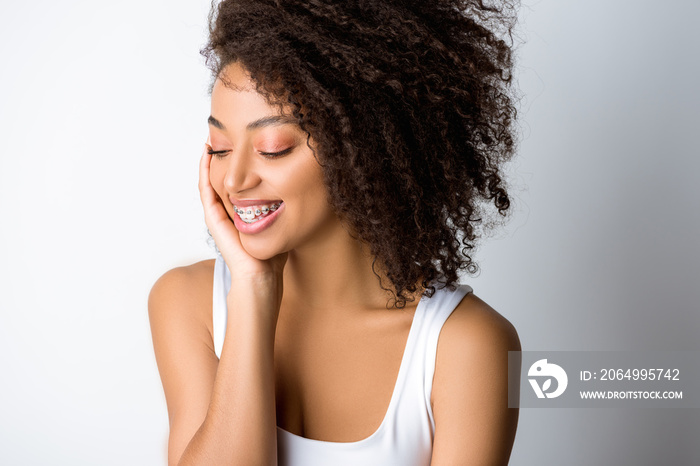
(334, 275)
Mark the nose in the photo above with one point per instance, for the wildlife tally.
(240, 172)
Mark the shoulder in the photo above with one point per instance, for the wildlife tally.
(184, 279)
(474, 336)
(476, 327)
(197, 270)
(184, 292)
(178, 306)
(470, 385)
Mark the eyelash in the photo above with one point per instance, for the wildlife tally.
(220, 154)
(217, 153)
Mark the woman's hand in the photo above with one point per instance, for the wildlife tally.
(227, 238)
(240, 423)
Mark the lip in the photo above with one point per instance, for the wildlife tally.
(260, 225)
(250, 202)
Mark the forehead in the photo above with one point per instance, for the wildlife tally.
(234, 101)
(234, 96)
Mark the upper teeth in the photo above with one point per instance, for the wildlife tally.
(253, 213)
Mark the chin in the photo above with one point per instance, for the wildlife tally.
(260, 250)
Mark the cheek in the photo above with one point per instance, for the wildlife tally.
(299, 179)
(314, 190)
(316, 183)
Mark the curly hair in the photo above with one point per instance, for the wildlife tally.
(410, 107)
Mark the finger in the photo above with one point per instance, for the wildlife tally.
(210, 199)
(216, 218)
(204, 162)
(213, 209)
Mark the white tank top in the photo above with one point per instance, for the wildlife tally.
(405, 436)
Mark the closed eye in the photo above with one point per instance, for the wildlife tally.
(272, 155)
(217, 153)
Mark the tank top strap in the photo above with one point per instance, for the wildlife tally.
(412, 412)
(439, 308)
(221, 287)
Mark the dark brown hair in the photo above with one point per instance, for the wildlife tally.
(410, 107)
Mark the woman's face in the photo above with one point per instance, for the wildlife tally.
(266, 176)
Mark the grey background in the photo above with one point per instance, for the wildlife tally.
(103, 113)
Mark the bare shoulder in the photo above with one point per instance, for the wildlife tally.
(198, 273)
(473, 424)
(476, 326)
(182, 298)
(179, 310)
(185, 290)
(474, 335)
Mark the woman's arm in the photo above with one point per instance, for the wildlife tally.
(184, 350)
(240, 425)
(473, 424)
(221, 412)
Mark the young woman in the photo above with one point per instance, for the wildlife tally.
(354, 148)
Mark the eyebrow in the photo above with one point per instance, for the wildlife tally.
(274, 120)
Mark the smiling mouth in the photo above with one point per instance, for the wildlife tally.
(255, 213)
